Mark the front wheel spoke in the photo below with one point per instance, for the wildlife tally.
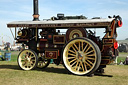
(76, 47)
(24, 64)
(72, 60)
(26, 56)
(23, 61)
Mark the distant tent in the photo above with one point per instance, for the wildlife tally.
(123, 47)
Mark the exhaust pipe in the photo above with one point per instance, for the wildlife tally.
(35, 7)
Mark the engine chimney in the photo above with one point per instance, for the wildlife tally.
(35, 15)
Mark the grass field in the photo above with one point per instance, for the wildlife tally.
(10, 74)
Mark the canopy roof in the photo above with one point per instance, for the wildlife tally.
(63, 23)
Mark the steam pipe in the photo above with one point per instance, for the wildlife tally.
(35, 9)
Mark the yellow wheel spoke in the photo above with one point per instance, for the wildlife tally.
(25, 64)
(32, 62)
(71, 57)
(91, 58)
(72, 51)
(85, 47)
(90, 62)
(72, 60)
(71, 54)
(82, 46)
(76, 47)
(79, 46)
(73, 63)
(76, 65)
(25, 56)
(82, 66)
(23, 60)
(89, 52)
(91, 55)
(30, 54)
(85, 67)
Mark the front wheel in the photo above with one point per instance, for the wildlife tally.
(27, 59)
(81, 56)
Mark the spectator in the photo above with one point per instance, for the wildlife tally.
(121, 62)
(126, 61)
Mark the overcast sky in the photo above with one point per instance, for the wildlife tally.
(22, 10)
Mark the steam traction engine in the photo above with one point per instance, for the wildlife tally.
(81, 52)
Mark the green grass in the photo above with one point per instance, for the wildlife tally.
(14, 56)
(11, 74)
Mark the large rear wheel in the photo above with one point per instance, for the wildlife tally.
(27, 59)
(81, 56)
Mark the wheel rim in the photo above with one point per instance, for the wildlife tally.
(27, 60)
(79, 57)
(42, 62)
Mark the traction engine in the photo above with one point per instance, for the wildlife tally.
(68, 40)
